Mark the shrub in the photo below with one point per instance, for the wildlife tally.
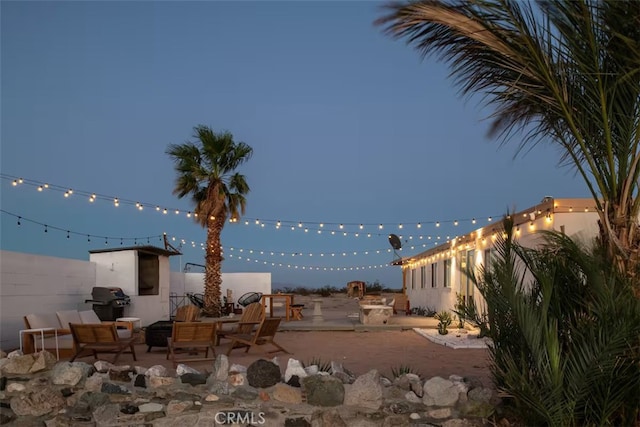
(397, 371)
(323, 366)
(565, 327)
(444, 320)
(423, 311)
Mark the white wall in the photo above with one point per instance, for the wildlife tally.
(239, 283)
(39, 284)
(42, 284)
(120, 269)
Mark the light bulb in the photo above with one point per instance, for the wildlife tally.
(40, 188)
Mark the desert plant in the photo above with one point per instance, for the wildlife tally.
(399, 370)
(444, 320)
(565, 328)
(469, 310)
(323, 366)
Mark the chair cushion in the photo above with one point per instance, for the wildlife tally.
(49, 320)
(89, 316)
(68, 316)
(64, 342)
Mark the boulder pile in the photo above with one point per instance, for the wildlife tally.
(37, 390)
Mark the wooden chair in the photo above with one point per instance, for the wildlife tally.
(296, 311)
(401, 303)
(261, 336)
(187, 313)
(251, 317)
(99, 338)
(191, 337)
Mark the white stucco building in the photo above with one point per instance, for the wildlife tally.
(433, 278)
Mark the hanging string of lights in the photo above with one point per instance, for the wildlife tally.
(311, 267)
(46, 227)
(183, 242)
(333, 228)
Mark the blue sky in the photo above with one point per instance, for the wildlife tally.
(347, 126)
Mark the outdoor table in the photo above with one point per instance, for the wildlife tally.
(288, 300)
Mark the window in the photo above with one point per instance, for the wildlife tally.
(413, 278)
(148, 274)
(434, 274)
(447, 273)
(487, 259)
(423, 277)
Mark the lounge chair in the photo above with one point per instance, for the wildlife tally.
(99, 338)
(261, 336)
(188, 313)
(251, 317)
(191, 337)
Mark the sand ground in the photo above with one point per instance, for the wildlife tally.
(358, 350)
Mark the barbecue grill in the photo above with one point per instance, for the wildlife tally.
(109, 303)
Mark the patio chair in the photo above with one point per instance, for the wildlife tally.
(188, 313)
(191, 337)
(261, 336)
(99, 338)
(401, 303)
(251, 317)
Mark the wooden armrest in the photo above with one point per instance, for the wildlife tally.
(257, 322)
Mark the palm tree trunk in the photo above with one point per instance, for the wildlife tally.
(213, 270)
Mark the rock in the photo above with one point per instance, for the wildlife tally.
(221, 367)
(323, 390)
(110, 388)
(178, 406)
(2, 354)
(456, 422)
(263, 373)
(90, 401)
(193, 378)
(439, 392)
(65, 373)
(157, 371)
(150, 407)
(329, 417)
(94, 382)
(236, 379)
(129, 409)
(366, 391)
(385, 382)
(155, 382)
(480, 394)
(18, 364)
(294, 381)
(140, 381)
(456, 378)
(264, 396)
(15, 387)
(3, 383)
(411, 397)
(245, 393)
(296, 422)
(182, 369)
(287, 394)
(237, 368)
(41, 401)
(294, 367)
(106, 414)
(15, 353)
(43, 360)
(415, 416)
(439, 413)
(122, 374)
(219, 387)
(344, 377)
(103, 366)
(211, 398)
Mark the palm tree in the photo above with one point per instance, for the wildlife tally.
(560, 72)
(206, 171)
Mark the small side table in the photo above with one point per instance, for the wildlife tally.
(35, 341)
(132, 320)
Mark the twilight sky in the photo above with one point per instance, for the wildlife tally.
(347, 125)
